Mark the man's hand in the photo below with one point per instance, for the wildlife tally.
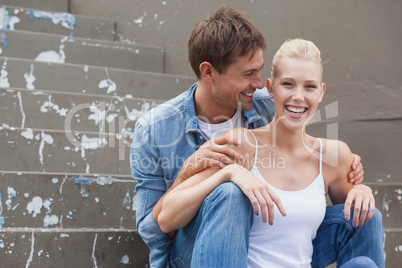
(357, 173)
(213, 153)
(361, 197)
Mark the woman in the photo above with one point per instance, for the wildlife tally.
(299, 168)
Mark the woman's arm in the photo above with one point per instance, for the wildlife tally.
(340, 190)
(182, 203)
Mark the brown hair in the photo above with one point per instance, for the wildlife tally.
(221, 38)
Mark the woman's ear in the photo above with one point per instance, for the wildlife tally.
(269, 85)
(207, 70)
(322, 92)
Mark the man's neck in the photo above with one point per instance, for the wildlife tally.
(206, 108)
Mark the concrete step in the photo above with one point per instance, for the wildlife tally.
(71, 248)
(375, 141)
(64, 152)
(393, 247)
(43, 200)
(59, 111)
(105, 248)
(64, 49)
(388, 198)
(26, 19)
(17, 73)
(52, 5)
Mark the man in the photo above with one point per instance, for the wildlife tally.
(170, 144)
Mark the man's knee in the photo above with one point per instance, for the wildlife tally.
(229, 191)
(230, 196)
(377, 217)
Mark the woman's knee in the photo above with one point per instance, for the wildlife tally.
(360, 262)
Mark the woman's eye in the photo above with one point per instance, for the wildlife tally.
(288, 84)
(311, 86)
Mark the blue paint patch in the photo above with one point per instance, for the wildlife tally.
(65, 19)
(3, 39)
(127, 200)
(82, 180)
(2, 219)
(5, 18)
(69, 215)
(84, 192)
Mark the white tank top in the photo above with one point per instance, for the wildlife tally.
(288, 242)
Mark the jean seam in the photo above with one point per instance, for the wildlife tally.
(207, 204)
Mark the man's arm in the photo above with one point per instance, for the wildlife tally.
(342, 191)
(214, 153)
(145, 168)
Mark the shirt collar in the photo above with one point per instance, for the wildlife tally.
(190, 117)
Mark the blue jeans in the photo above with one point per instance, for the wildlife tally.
(337, 239)
(219, 235)
(360, 262)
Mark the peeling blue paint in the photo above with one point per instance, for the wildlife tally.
(65, 19)
(6, 20)
(2, 219)
(3, 39)
(70, 215)
(82, 180)
(127, 200)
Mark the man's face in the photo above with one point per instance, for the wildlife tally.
(234, 89)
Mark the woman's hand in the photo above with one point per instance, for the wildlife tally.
(257, 191)
(361, 197)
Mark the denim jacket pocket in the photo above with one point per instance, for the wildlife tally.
(177, 263)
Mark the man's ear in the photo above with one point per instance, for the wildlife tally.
(207, 71)
(269, 85)
(322, 93)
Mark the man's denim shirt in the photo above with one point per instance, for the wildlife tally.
(163, 139)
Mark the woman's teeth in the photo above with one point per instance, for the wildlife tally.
(296, 110)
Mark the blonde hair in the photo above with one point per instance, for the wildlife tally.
(296, 48)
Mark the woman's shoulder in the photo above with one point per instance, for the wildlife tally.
(336, 153)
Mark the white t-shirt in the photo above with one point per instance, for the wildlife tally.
(211, 131)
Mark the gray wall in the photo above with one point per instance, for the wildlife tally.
(360, 43)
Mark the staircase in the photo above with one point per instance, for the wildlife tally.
(70, 95)
(69, 98)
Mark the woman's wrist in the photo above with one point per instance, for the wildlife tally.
(229, 171)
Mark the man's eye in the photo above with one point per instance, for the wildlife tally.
(311, 86)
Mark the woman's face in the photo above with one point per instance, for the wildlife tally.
(297, 90)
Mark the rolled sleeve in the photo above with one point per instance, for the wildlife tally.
(151, 233)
